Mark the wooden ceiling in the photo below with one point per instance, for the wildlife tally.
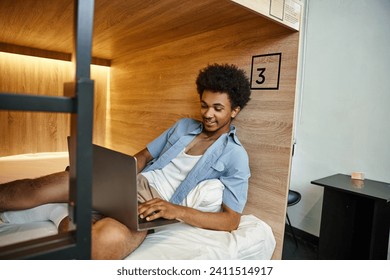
(120, 26)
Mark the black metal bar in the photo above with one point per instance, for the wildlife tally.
(59, 246)
(80, 195)
(84, 11)
(39, 103)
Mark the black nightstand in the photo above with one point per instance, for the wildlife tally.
(355, 218)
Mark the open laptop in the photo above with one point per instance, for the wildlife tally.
(114, 189)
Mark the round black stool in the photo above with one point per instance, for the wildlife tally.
(293, 198)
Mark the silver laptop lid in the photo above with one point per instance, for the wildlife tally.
(114, 188)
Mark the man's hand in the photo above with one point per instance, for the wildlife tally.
(158, 208)
(226, 220)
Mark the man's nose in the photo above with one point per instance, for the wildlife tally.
(209, 113)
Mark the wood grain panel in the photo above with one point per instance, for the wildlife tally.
(27, 132)
(44, 24)
(32, 132)
(101, 76)
(136, 25)
(151, 89)
(120, 26)
(10, 48)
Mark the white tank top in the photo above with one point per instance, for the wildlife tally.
(165, 181)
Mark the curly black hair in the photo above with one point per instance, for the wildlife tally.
(225, 78)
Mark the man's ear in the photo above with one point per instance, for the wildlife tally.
(235, 111)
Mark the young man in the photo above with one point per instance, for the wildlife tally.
(179, 160)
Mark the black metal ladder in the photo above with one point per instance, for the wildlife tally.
(78, 101)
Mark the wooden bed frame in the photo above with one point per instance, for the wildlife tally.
(149, 54)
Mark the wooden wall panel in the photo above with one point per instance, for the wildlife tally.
(32, 132)
(101, 76)
(151, 89)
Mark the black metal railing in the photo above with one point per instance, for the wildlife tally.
(78, 101)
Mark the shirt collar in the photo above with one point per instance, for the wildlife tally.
(231, 133)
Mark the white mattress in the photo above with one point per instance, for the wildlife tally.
(14, 233)
(252, 240)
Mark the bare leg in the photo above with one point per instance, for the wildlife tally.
(28, 193)
(111, 240)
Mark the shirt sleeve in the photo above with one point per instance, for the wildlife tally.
(235, 179)
(157, 145)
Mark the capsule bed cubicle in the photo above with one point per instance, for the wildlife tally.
(145, 56)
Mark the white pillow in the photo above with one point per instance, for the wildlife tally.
(206, 196)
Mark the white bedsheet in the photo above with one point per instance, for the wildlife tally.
(14, 233)
(252, 240)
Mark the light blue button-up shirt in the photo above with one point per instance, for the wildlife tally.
(226, 160)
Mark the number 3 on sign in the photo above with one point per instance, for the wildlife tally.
(261, 78)
(265, 72)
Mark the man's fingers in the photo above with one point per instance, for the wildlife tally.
(149, 210)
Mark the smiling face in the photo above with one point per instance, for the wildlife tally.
(217, 113)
